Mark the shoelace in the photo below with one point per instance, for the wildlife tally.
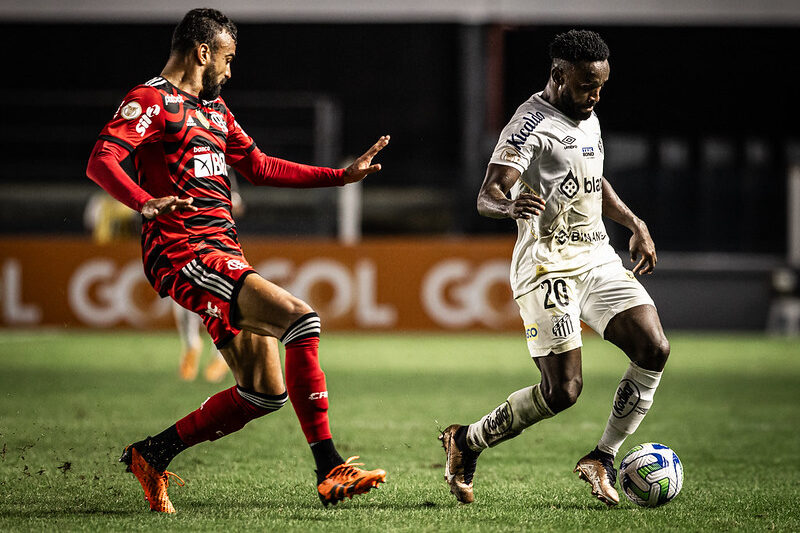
(179, 479)
(347, 468)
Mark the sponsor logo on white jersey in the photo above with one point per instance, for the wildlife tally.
(531, 120)
(235, 264)
(588, 151)
(570, 186)
(147, 119)
(173, 99)
(318, 395)
(209, 165)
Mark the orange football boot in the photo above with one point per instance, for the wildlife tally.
(153, 482)
(345, 481)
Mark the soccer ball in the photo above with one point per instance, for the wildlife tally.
(651, 474)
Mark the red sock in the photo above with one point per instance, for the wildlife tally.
(220, 415)
(308, 392)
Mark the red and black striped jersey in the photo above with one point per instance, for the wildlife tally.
(181, 146)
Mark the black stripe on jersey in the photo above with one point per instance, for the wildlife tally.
(207, 221)
(215, 244)
(232, 235)
(206, 184)
(209, 203)
(250, 148)
(114, 140)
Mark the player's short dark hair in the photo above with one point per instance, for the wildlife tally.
(579, 45)
(201, 25)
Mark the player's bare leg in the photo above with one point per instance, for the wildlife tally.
(638, 332)
(188, 325)
(265, 308)
(255, 361)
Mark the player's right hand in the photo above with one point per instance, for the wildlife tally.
(525, 206)
(166, 204)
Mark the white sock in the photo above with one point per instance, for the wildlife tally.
(631, 402)
(188, 325)
(522, 409)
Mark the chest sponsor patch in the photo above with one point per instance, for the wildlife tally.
(209, 165)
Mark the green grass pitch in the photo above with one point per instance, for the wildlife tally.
(69, 402)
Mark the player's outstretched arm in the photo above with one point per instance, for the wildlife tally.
(641, 244)
(363, 167)
(493, 201)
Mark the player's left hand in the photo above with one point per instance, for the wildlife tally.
(363, 167)
(642, 244)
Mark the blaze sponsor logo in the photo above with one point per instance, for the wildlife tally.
(531, 331)
(219, 120)
(212, 310)
(562, 326)
(588, 151)
(173, 99)
(235, 264)
(147, 118)
(131, 110)
(210, 164)
(626, 399)
(591, 185)
(498, 421)
(530, 121)
(318, 395)
(569, 186)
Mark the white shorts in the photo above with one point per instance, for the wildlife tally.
(552, 311)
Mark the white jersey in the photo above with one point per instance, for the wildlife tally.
(561, 160)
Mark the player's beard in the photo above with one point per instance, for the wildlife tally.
(211, 87)
(573, 110)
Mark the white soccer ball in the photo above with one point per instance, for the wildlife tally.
(651, 474)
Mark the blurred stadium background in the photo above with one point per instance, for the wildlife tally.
(699, 142)
(695, 117)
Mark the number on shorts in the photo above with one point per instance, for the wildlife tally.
(558, 289)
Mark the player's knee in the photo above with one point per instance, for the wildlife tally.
(560, 396)
(654, 354)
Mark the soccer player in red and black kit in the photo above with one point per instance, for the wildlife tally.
(181, 135)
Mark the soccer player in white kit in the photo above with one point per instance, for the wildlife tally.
(550, 159)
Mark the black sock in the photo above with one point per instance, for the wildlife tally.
(158, 451)
(326, 457)
(461, 441)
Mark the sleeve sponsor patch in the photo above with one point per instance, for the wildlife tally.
(511, 156)
(131, 110)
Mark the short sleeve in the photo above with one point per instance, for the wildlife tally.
(138, 120)
(239, 143)
(519, 144)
